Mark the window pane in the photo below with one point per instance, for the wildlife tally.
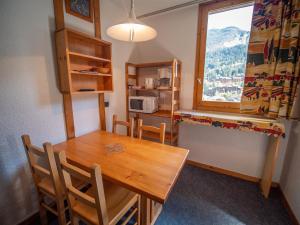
(226, 54)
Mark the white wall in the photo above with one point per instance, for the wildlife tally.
(241, 152)
(30, 101)
(290, 179)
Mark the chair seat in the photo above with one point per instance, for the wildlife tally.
(118, 201)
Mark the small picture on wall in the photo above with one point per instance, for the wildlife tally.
(80, 8)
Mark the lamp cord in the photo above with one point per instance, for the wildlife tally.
(132, 13)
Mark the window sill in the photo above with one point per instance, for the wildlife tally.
(218, 109)
(231, 121)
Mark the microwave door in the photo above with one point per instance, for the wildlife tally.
(136, 105)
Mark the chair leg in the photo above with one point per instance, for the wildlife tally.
(43, 215)
(75, 220)
(61, 213)
(138, 215)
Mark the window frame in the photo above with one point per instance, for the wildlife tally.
(203, 13)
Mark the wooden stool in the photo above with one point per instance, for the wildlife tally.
(105, 205)
(129, 125)
(47, 181)
(159, 130)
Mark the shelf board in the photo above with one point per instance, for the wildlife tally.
(90, 74)
(86, 36)
(89, 57)
(143, 89)
(160, 113)
(132, 76)
(88, 92)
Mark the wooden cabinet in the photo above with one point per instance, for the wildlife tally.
(84, 63)
(168, 96)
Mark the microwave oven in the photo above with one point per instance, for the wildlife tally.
(144, 104)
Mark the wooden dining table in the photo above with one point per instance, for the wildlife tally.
(148, 168)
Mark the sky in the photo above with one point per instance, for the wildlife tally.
(240, 18)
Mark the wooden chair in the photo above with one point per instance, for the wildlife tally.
(106, 205)
(129, 125)
(46, 180)
(155, 207)
(159, 130)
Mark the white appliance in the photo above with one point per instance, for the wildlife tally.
(149, 83)
(165, 72)
(144, 104)
(165, 75)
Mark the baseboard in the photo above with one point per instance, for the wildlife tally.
(288, 208)
(228, 172)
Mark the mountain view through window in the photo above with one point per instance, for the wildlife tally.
(226, 54)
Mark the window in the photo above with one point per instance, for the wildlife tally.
(222, 45)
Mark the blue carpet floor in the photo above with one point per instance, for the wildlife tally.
(201, 197)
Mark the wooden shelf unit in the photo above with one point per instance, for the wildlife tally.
(136, 73)
(79, 53)
(69, 40)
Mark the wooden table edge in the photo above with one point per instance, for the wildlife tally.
(177, 176)
(125, 185)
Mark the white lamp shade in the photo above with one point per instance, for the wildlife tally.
(135, 32)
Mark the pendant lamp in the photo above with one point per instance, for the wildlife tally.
(132, 30)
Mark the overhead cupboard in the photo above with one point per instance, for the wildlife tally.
(84, 63)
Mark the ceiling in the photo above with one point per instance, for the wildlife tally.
(148, 6)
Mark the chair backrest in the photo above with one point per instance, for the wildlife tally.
(45, 154)
(129, 125)
(94, 177)
(161, 130)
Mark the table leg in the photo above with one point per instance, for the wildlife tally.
(272, 154)
(156, 209)
(145, 211)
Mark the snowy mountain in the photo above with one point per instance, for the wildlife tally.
(226, 38)
(225, 62)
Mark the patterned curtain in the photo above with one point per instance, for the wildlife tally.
(271, 83)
